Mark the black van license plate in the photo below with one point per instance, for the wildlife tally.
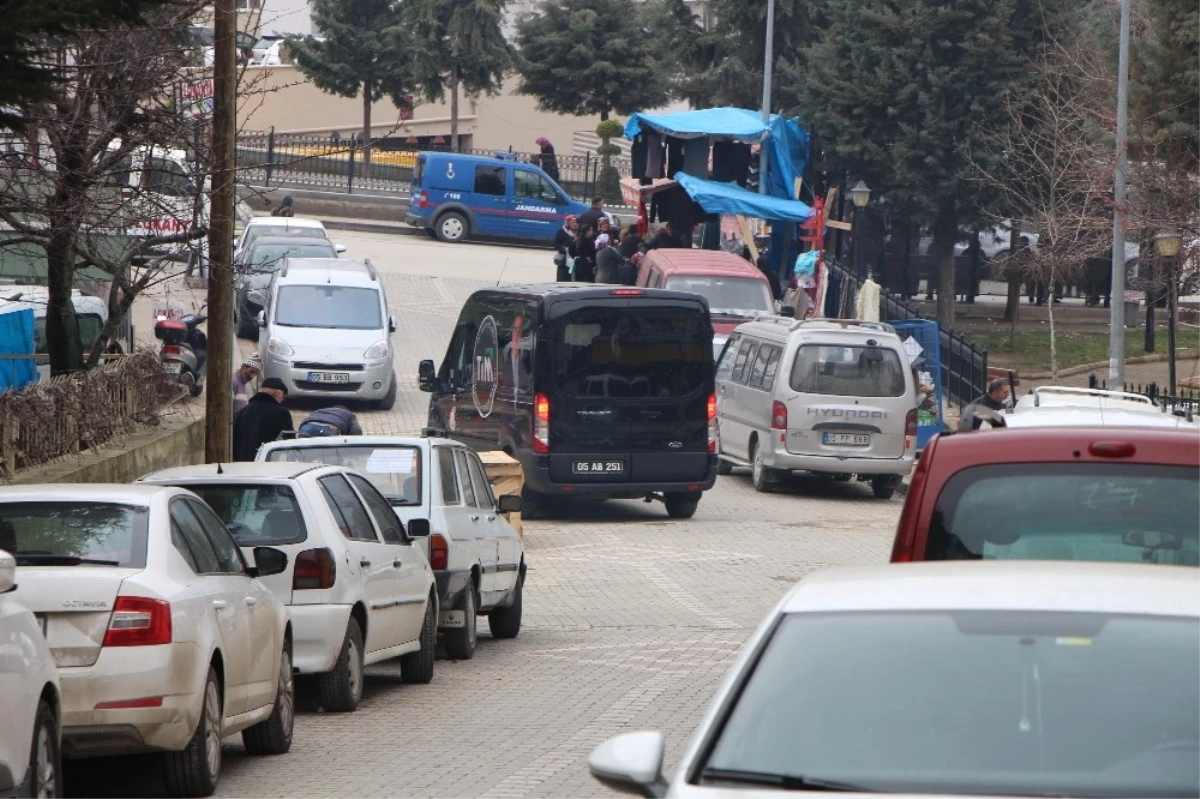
(598, 467)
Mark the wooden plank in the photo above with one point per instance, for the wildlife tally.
(748, 237)
(799, 182)
(506, 476)
(836, 225)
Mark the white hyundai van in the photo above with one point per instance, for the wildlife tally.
(830, 396)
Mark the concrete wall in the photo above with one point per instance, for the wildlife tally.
(176, 442)
(281, 97)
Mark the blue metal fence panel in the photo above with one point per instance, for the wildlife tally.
(923, 343)
(17, 367)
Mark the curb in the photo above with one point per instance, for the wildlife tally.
(367, 226)
(1090, 367)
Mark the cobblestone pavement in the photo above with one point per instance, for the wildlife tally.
(631, 620)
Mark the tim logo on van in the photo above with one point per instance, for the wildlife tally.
(483, 381)
(844, 413)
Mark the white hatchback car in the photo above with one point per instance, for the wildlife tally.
(31, 735)
(287, 226)
(478, 559)
(358, 586)
(164, 639)
(988, 678)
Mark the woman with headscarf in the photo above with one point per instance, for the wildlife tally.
(564, 243)
(585, 255)
(608, 260)
(548, 160)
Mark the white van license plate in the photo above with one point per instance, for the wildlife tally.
(328, 377)
(598, 467)
(847, 439)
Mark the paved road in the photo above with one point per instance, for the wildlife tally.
(631, 619)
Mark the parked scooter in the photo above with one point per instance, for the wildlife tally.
(184, 352)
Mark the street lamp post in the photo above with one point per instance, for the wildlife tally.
(860, 195)
(1167, 243)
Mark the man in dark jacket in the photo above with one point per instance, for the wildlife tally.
(592, 216)
(335, 421)
(261, 421)
(990, 406)
(664, 239)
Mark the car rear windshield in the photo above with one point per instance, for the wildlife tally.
(982, 702)
(56, 532)
(256, 515)
(740, 296)
(847, 371)
(1129, 513)
(632, 352)
(341, 307)
(394, 470)
(266, 257)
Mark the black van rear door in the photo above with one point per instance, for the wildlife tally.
(628, 380)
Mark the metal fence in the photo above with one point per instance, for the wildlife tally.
(80, 411)
(964, 364)
(1184, 403)
(323, 163)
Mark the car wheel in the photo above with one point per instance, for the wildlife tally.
(506, 622)
(45, 757)
(460, 641)
(452, 227)
(341, 689)
(884, 486)
(761, 475)
(274, 736)
(724, 467)
(389, 399)
(195, 770)
(416, 668)
(681, 506)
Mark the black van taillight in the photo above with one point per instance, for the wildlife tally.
(712, 422)
(314, 568)
(541, 424)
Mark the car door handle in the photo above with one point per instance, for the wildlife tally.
(475, 517)
(397, 563)
(364, 563)
(220, 604)
(251, 601)
(491, 517)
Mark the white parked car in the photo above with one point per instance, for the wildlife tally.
(1066, 406)
(988, 678)
(164, 638)
(31, 735)
(477, 557)
(276, 226)
(358, 586)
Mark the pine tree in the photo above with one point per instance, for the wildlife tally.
(1165, 74)
(900, 89)
(361, 52)
(457, 44)
(587, 57)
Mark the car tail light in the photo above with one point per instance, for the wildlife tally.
(1112, 449)
(139, 621)
(910, 430)
(423, 202)
(712, 422)
(314, 568)
(171, 349)
(627, 292)
(439, 552)
(778, 416)
(541, 424)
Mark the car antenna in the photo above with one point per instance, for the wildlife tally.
(502, 272)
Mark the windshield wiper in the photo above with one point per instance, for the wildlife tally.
(51, 559)
(785, 781)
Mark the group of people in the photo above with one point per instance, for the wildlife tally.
(590, 249)
(260, 418)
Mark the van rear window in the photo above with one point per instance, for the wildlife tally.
(602, 352)
(847, 371)
(1125, 513)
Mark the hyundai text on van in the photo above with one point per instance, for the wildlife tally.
(603, 392)
(455, 196)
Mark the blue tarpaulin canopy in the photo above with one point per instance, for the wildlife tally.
(16, 339)
(731, 199)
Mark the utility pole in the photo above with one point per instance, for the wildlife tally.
(1116, 301)
(217, 425)
(768, 68)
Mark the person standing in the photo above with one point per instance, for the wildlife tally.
(608, 260)
(585, 254)
(564, 243)
(993, 400)
(284, 208)
(242, 378)
(592, 216)
(548, 161)
(631, 243)
(262, 420)
(334, 421)
(664, 239)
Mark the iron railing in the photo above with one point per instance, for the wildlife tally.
(1182, 403)
(276, 160)
(964, 364)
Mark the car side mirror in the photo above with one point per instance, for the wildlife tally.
(268, 561)
(8, 572)
(391, 324)
(418, 528)
(631, 763)
(427, 376)
(509, 503)
(787, 311)
(262, 318)
(339, 248)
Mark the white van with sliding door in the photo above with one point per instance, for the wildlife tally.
(829, 396)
